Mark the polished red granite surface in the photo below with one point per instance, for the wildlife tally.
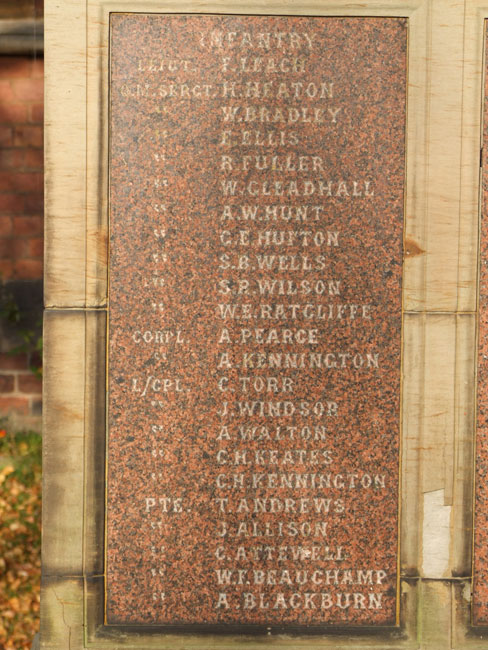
(480, 564)
(256, 223)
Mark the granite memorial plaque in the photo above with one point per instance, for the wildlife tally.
(255, 313)
(480, 556)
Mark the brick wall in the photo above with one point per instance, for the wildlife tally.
(21, 229)
(21, 168)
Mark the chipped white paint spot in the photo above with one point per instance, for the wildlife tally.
(436, 529)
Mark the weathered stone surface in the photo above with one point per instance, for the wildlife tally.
(480, 577)
(257, 181)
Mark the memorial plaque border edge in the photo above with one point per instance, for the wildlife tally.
(339, 629)
(75, 300)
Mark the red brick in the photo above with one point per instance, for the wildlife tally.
(37, 113)
(13, 113)
(28, 225)
(13, 248)
(9, 181)
(36, 247)
(15, 67)
(38, 8)
(16, 248)
(33, 182)
(29, 383)
(5, 248)
(6, 269)
(29, 90)
(6, 383)
(33, 204)
(38, 68)
(21, 181)
(34, 158)
(6, 91)
(6, 136)
(11, 158)
(5, 226)
(27, 269)
(17, 404)
(13, 362)
(28, 136)
(12, 203)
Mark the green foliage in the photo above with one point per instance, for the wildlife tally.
(20, 537)
(9, 309)
(22, 450)
(31, 338)
(31, 345)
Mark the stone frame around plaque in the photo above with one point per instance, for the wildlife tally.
(439, 305)
(470, 634)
